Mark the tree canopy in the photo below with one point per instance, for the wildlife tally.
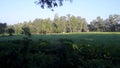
(50, 3)
(63, 24)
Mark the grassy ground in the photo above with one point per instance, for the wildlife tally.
(71, 50)
(97, 38)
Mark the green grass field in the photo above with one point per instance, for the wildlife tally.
(98, 38)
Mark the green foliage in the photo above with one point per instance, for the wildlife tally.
(3, 27)
(61, 24)
(10, 31)
(26, 31)
(50, 3)
(110, 24)
(67, 24)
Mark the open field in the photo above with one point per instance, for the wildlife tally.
(98, 38)
(71, 50)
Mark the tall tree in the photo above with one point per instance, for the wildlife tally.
(101, 24)
(98, 24)
(63, 23)
(113, 21)
(56, 24)
(10, 31)
(26, 31)
(84, 25)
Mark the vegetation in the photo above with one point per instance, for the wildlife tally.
(64, 42)
(74, 50)
(2, 28)
(10, 31)
(65, 24)
(50, 3)
(110, 24)
(26, 31)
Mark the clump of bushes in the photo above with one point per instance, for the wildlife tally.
(26, 53)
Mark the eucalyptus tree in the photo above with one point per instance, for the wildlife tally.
(63, 23)
(56, 24)
(84, 27)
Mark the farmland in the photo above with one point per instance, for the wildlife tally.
(75, 50)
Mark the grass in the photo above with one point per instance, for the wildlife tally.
(97, 38)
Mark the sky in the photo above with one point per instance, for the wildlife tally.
(17, 11)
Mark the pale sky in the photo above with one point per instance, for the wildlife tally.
(16, 11)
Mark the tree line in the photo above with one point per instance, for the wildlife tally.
(111, 24)
(63, 24)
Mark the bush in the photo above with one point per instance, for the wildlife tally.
(26, 53)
